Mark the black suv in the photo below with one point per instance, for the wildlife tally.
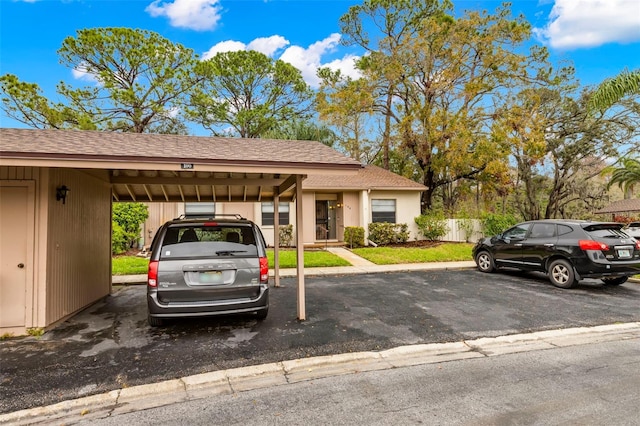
(566, 250)
(207, 266)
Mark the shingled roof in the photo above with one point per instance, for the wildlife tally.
(175, 168)
(623, 206)
(369, 177)
(143, 147)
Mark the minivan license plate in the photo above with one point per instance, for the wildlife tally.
(624, 254)
(211, 277)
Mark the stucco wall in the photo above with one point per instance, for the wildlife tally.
(351, 209)
(407, 207)
(78, 245)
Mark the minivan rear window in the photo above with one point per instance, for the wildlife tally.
(208, 241)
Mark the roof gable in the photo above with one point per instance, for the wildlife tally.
(369, 177)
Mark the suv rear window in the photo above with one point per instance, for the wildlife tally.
(208, 241)
(605, 232)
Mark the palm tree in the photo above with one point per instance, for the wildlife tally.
(613, 89)
(627, 175)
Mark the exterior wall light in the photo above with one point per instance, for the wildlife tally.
(61, 193)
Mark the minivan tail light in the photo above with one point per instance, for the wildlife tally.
(592, 245)
(152, 276)
(264, 270)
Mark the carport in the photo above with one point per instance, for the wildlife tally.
(57, 187)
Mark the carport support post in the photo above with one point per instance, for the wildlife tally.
(302, 315)
(276, 239)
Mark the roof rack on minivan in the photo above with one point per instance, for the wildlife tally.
(208, 216)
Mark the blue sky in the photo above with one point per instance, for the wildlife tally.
(600, 37)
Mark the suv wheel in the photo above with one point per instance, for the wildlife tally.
(561, 274)
(615, 281)
(484, 260)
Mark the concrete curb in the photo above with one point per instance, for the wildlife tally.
(286, 372)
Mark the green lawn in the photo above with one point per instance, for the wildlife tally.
(444, 252)
(132, 265)
(129, 265)
(312, 259)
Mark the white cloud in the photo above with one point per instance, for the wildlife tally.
(199, 15)
(306, 60)
(346, 65)
(309, 60)
(268, 45)
(81, 73)
(224, 46)
(590, 23)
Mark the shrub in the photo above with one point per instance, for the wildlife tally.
(383, 233)
(432, 226)
(130, 216)
(494, 224)
(119, 241)
(286, 235)
(354, 236)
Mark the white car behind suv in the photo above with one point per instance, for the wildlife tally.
(633, 230)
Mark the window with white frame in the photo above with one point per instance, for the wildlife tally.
(267, 213)
(383, 211)
(200, 209)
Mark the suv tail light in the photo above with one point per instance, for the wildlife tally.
(152, 276)
(638, 245)
(264, 270)
(592, 245)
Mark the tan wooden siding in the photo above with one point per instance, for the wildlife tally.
(159, 213)
(78, 243)
(17, 173)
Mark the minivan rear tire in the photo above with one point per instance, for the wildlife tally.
(155, 321)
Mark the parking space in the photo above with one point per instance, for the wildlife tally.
(110, 345)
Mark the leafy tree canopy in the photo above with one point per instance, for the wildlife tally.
(139, 81)
(246, 94)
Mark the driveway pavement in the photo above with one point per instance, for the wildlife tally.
(110, 346)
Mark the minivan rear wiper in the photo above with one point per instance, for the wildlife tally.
(228, 252)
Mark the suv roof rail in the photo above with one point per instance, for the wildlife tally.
(209, 216)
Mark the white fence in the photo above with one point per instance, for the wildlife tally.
(462, 230)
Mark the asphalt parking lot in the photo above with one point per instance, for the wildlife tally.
(110, 345)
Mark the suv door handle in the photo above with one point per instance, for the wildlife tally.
(518, 245)
(549, 245)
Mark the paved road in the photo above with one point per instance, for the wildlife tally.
(110, 346)
(596, 384)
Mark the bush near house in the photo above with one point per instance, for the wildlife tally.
(286, 235)
(119, 240)
(354, 236)
(129, 217)
(383, 233)
(494, 224)
(432, 226)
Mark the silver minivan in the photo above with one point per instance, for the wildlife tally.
(207, 266)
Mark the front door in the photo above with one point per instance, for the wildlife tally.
(16, 215)
(325, 220)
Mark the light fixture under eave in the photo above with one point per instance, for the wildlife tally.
(61, 193)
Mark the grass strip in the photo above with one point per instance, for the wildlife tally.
(445, 252)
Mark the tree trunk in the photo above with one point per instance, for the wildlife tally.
(387, 132)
